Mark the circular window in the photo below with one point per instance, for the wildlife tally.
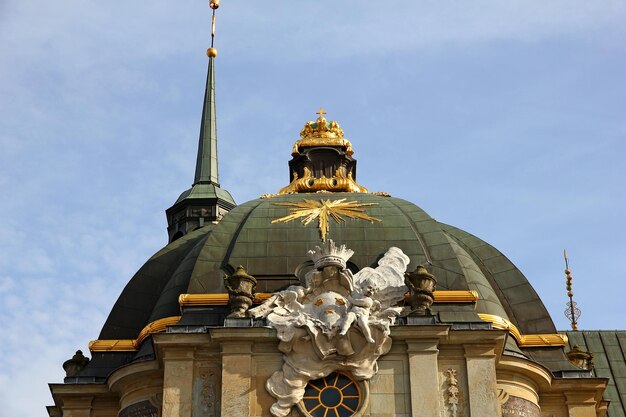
(336, 395)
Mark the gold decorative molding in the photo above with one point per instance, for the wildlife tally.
(525, 340)
(324, 210)
(340, 182)
(129, 345)
(200, 300)
(124, 345)
(466, 296)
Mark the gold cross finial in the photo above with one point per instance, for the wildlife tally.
(321, 112)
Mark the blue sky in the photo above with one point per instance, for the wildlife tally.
(505, 119)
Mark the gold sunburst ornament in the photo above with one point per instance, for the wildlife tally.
(324, 210)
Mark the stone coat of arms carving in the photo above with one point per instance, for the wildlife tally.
(335, 322)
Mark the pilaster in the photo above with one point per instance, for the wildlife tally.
(553, 405)
(481, 379)
(177, 382)
(423, 376)
(237, 390)
(581, 404)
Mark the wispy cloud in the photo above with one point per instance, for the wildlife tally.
(499, 117)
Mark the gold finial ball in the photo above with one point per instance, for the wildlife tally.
(214, 4)
(570, 294)
(567, 272)
(211, 52)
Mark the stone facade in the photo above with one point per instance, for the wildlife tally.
(223, 373)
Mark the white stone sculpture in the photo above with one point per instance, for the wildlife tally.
(337, 321)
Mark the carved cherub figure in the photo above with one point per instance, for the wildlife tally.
(312, 321)
(362, 306)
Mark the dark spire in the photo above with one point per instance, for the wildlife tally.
(206, 164)
(205, 201)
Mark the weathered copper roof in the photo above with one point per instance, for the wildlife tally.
(609, 357)
(272, 252)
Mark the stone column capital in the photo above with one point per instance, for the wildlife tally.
(236, 347)
(178, 353)
(486, 351)
(580, 398)
(77, 403)
(77, 406)
(422, 346)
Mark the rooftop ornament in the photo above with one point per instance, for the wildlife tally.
(324, 210)
(581, 358)
(422, 284)
(75, 364)
(571, 312)
(317, 173)
(241, 288)
(214, 5)
(322, 133)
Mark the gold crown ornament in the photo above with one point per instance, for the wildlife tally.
(322, 133)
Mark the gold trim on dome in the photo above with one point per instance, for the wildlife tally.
(129, 345)
(324, 210)
(196, 300)
(457, 296)
(124, 345)
(201, 300)
(340, 182)
(525, 340)
(321, 133)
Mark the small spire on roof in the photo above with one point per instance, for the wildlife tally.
(205, 201)
(571, 312)
(206, 164)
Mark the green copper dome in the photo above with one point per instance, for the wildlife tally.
(274, 252)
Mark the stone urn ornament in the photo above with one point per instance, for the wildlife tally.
(422, 284)
(581, 358)
(241, 289)
(75, 364)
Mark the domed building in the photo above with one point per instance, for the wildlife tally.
(297, 304)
